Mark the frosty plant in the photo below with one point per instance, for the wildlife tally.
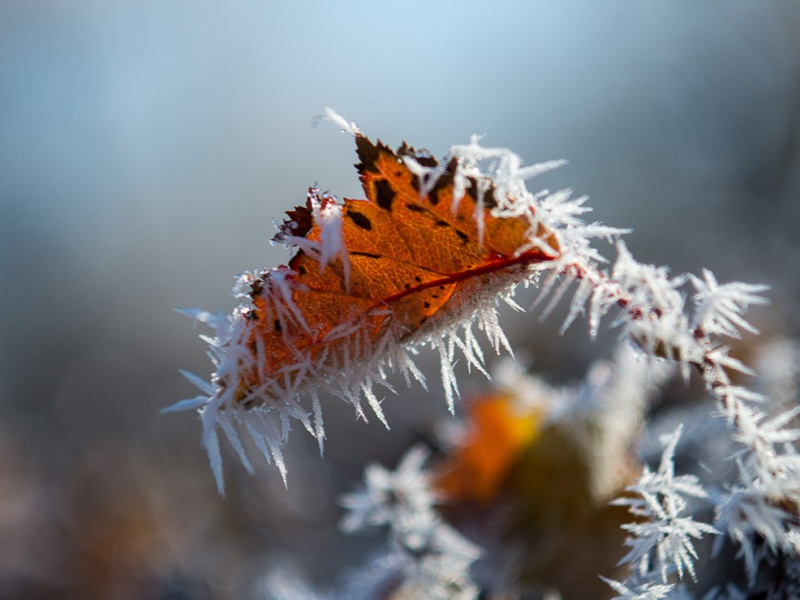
(426, 257)
(663, 541)
(432, 558)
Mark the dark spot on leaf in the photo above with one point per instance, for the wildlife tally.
(415, 184)
(294, 262)
(359, 219)
(417, 279)
(441, 223)
(489, 201)
(414, 207)
(426, 304)
(422, 157)
(301, 269)
(384, 194)
(367, 153)
(298, 222)
(256, 287)
(463, 236)
(445, 180)
(277, 325)
(407, 286)
(367, 254)
(472, 188)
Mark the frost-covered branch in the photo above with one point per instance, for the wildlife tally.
(261, 387)
(653, 315)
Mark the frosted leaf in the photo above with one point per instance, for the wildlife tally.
(435, 558)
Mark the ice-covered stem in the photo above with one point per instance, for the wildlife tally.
(762, 510)
(653, 316)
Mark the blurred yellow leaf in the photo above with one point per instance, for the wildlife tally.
(498, 435)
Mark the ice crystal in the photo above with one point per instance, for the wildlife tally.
(664, 539)
(719, 308)
(433, 557)
(644, 591)
(328, 215)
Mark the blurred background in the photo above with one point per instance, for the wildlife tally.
(146, 147)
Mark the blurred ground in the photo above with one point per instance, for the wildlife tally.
(145, 148)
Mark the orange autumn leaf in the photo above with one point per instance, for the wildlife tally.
(402, 257)
(497, 437)
(425, 257)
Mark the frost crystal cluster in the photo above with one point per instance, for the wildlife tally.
(662, 542)
(432, 558)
